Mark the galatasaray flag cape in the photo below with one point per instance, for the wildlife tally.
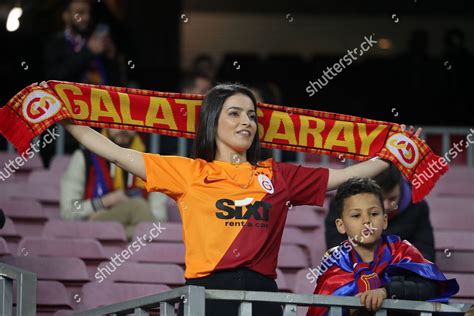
(349, 276)
(34, 109)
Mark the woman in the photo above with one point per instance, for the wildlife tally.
(232, 206)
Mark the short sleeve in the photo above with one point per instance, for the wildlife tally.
(306, 186)
(170, 175)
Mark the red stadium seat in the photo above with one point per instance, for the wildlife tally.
(465, 281)
(110, 234)
(34, 163)
(449, 204)
(295, 236)
(45, 177)
(23, 209)
(50, 296)
(457, 219)
(33, 191)
(28, 216)
(305, 216)
(173, 211)
(455, 261)
(154, 273)
(11, 236)
(59, 163)
(291, 256)
(4, 250)
(172, 232)
(458, 172)
(454, 187)
(105, 293)
(303, 284)
(454, 240)
(160, 253)
(281, 281)
(64, 269)
(89, 250)
(50, 247)
(317, 246)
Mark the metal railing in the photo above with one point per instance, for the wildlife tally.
(193, 299)
(25, 291)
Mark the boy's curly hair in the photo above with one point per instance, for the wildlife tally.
(355, 186)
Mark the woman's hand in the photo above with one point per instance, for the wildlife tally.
(127, 159)
(369, 168)
(411, 130)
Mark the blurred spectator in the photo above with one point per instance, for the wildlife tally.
(204, 65)
(196, 83)
(80, 54)
(94, 189)
(405, 219)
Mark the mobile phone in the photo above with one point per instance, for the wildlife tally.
(102, 29)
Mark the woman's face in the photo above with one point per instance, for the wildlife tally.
(237, 126)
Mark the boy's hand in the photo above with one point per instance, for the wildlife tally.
(373, 299)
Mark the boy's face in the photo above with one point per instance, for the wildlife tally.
(363, 219)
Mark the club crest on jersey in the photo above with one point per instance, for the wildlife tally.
(266, 183)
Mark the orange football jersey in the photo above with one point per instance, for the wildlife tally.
(233, 215)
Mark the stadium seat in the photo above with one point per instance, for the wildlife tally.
(33, 191)
(455, 261)
(281, 282)
(105, 293)
(19, 209)
(110, 234)
(291, 256)
(305, 217)
(50, 296)
(34, 163)
(4, 250)
(28, 216)
(172, 210)
(11, 236)
(59, 163)
(295, 236)
(302, 284)
(45, 177)
(63, 269)
(465, 281)
(317, 246)
(154, 273)
(49, 247)
(454, 240)
(89, 250)
(459, 172)
(449, 204)
(456, 220)
(454, 187)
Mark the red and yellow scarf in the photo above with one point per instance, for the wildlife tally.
(35, 108)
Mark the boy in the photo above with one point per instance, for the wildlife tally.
(373, 266)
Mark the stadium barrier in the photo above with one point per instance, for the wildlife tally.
(193, 298)
(25, 291)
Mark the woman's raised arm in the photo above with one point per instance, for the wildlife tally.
(369, 168)
(127, 159)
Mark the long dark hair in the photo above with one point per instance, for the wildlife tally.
(205, 141)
